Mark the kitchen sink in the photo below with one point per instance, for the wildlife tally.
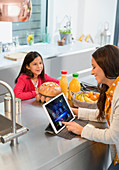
(6, 126)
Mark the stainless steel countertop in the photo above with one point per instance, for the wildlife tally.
(37, 150)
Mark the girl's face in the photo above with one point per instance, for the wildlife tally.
(36, 66)
(98, 73)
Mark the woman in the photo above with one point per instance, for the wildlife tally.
(105, 68)
(31, 76)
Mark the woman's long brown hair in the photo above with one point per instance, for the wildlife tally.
(107, 58)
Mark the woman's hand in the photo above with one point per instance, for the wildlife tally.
(75, 111)
(73, 127)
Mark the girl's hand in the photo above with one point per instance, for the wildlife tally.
(73, 127)
(37, 91)
(38, 96)
(75, 111)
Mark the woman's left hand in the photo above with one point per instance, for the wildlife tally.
(73, 127)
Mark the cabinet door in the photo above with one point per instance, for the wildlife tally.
(95, 157)
(71, 62)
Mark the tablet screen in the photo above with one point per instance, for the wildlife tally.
(59, 110)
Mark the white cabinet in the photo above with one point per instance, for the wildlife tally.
(72, 63)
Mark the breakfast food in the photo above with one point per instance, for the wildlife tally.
(85, 99)
(47, 91)
(89, 97)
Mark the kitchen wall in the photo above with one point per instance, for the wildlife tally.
(87, 16)
(56, 12)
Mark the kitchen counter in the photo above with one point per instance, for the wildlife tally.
(39, 151)
(48, 51)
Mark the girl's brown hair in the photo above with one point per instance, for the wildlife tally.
(27, 60)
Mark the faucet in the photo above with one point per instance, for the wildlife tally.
(15, 133)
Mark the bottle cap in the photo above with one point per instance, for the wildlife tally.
(75, 74)
(63, 72)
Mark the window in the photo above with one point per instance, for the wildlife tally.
(36, 24)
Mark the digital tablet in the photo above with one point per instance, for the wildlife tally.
(58, 110)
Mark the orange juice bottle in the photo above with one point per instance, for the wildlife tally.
(74, 85)
(64, 82)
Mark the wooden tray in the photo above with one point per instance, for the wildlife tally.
(16, 56)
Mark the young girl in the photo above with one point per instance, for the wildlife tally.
(105, 68)
(31, 76)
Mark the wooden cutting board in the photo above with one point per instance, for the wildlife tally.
(15, 56)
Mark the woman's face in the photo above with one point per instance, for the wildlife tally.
(36, 66)
(98, 72)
